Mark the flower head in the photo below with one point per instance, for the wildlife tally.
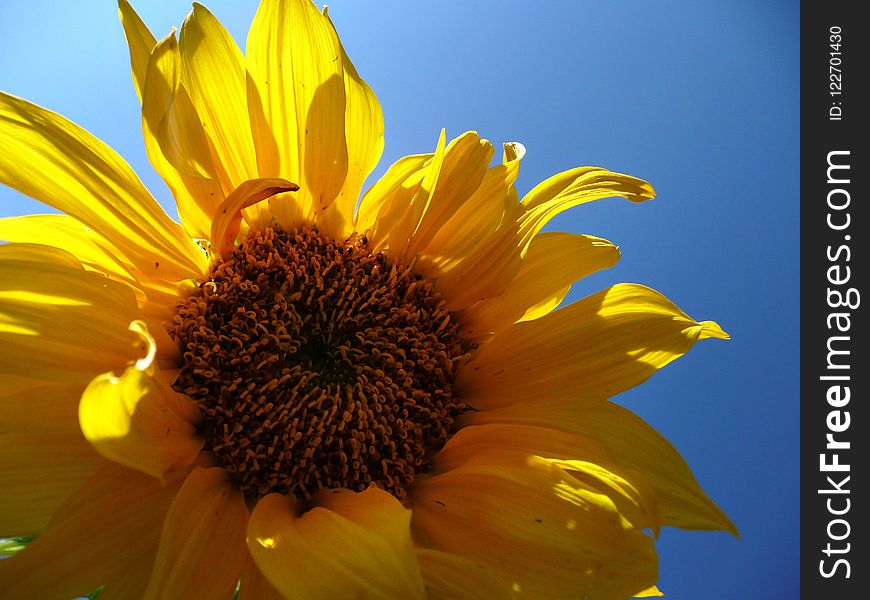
(307, 391)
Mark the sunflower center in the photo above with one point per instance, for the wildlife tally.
(318, 364)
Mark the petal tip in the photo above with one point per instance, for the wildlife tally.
(645, 191)
(711, 329)
(513, 151)
(650, 592)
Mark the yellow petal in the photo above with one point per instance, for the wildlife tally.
(140, 422)
(105, 533)
(383, 190)
(538, 528)
(228, 216)
(38, 472)
(465, 163)
(31, 405)
(633, 445)
(595, 348)
(400, 213)
(93, 250)
(453, 577)
(554, 261)
(177, 145)
(202, 545)
(364, 131)
(486, 271)
(56, 162)
(255, 586)
(168, 111)
(294, 59)
(477, 254)
(139, 40)
(576, 186)
(473, 223)
(417, 210)
(213, 73)
(59, 322)
(170, 117)
(356, 545)
(63, 231)
(474, 272)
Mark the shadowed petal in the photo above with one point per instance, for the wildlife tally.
(633, 445)
(453, 577)
(38, 472)
(202, 545)
(541, 530)
(59, 322)
(106, 533)
(356, 545)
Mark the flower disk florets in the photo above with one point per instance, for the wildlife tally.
(318, 364)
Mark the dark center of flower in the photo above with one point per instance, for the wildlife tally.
(318, 364)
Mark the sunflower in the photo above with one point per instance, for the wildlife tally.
(302, 390)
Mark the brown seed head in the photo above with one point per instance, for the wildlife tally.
(317, 364)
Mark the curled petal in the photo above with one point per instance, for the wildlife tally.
(138, 420)
(228, 216)
(576, 186)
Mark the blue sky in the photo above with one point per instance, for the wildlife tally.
(699, 98)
